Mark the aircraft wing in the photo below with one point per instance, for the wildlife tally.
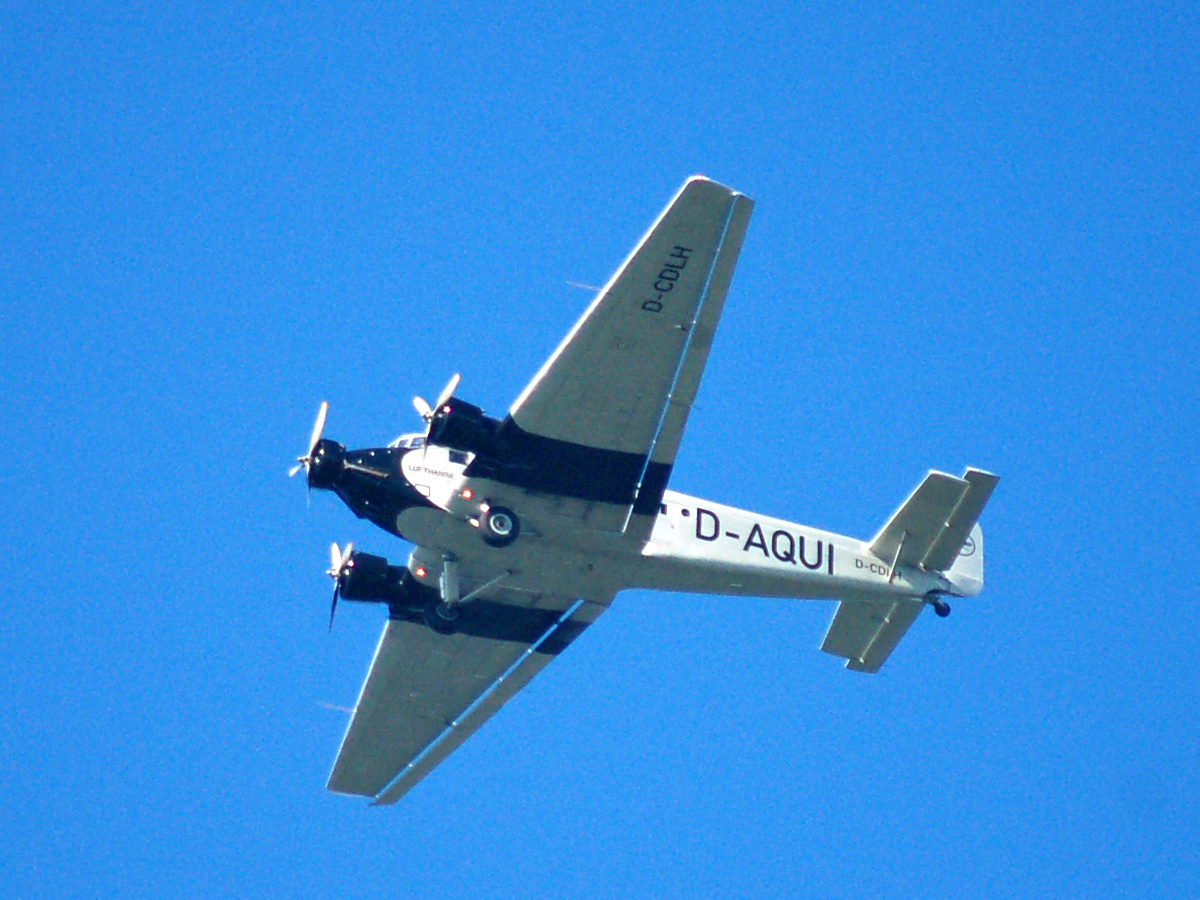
(602, 420)
(427, 692)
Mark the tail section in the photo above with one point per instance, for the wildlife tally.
(936, 529)
(966, 573)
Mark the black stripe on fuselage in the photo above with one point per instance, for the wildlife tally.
(567, 469)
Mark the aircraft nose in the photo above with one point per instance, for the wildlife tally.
(328, 462)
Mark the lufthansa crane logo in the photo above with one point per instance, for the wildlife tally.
(968, 548)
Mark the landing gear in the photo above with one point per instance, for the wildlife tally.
(441, 617)
(940, 606)
(442, 612)
(498, 525)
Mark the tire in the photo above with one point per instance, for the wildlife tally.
(440, 617)
(499, 526)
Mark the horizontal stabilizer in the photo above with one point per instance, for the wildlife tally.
(866, 632)
(932, 525)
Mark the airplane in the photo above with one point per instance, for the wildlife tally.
(524, 529)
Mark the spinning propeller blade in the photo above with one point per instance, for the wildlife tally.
(338, 559)
(424, 410)
(447, 391)
(303, 462)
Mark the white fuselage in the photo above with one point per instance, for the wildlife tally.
(695, 546)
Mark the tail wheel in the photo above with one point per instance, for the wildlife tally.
(499, 526)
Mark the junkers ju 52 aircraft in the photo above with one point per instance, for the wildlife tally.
(525, 528)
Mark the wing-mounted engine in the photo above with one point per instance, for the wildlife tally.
(367, 578)
(370, 578)
(452, 422)
(463, 426)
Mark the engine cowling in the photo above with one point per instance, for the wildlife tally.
(370, 579)
(326, 463)
(463, 426)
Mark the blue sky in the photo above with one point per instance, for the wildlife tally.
(975, 244)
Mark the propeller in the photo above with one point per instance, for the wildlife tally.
(340, 561)
(425, 411)
(305, 461)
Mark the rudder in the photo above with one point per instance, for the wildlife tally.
(966, 574)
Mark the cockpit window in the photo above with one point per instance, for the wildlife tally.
(457, 456)
(408, 441)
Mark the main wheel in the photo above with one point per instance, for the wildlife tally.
(441, 617)
(941, 607)
(499, 526)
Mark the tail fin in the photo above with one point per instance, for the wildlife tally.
(937, 525)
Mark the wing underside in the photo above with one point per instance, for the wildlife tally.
(593, 435)
(604, 416)
(427, 692)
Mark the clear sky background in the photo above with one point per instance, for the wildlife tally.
(975, 244)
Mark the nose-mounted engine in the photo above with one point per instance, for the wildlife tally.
(368, 481)
(326, 462)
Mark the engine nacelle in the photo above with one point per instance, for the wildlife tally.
(370, 579)
(463, 426)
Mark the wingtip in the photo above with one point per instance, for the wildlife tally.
(700, 178)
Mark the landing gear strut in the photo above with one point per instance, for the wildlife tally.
(441, 613)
